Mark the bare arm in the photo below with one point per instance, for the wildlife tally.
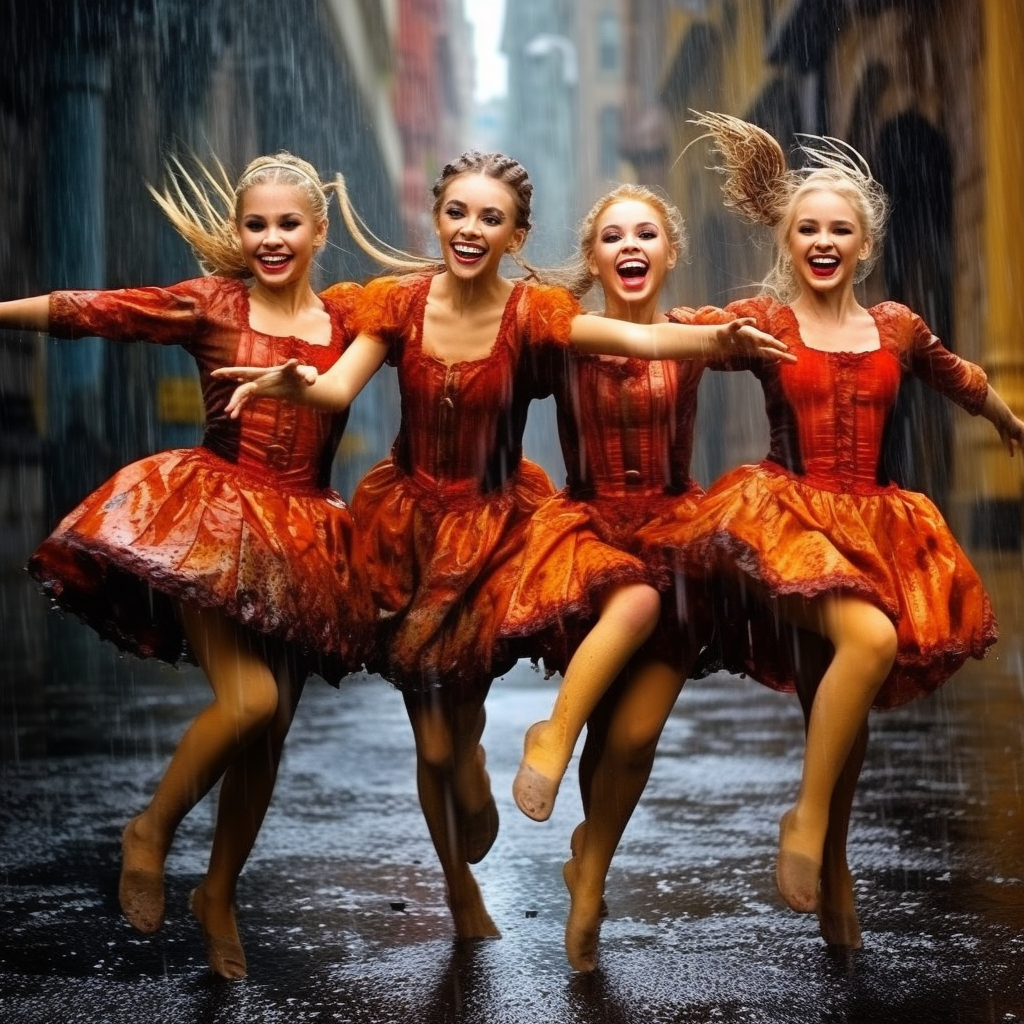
(602, 336)
(26, 314)
(333, 390)
(999, 414)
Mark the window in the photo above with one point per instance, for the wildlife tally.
(609, 42)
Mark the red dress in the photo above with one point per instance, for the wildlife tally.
(626, 429)
(441, 524)
(819, 516)
(245, 523)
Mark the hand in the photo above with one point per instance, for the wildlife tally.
(740, 337)
(287, 381)
(1011, 431)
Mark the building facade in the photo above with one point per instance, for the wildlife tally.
(93, 99)
(926, 92)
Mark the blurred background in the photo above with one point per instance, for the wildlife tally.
(95, 94)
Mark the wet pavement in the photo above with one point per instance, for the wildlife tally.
(342, 910)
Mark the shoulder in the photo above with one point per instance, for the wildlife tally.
(898, 324)
(546, 312)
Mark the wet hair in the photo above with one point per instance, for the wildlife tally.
(577, 276)
(498, 166)
(204, 205)
(762, 190)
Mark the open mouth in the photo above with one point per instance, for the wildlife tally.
(823, 266)
(467, 253)
(632, 273)
(274, 261)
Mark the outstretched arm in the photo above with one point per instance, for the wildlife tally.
(293, 381)
(26, 314)
(603, 336)
(999, 414)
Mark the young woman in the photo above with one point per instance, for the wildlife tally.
(442, 522)
(626, 427)
(865, 578)
(237, 549)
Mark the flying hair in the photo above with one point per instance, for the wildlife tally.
(757, 183)
(759, 187)
(202, 204)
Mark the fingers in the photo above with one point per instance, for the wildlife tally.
(239, 397)
(766, 345)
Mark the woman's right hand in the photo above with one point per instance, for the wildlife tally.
(288, 381)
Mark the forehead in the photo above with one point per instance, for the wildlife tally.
(474, 188)
(273, 198)
(625, 212)
(826, 204)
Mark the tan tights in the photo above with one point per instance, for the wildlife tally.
(239, 736)
(864, 643)
(628, 617)
(622, 736)
(453, 784)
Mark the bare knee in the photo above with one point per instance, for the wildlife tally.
(433, 735)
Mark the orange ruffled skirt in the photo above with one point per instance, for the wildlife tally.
(577, 551)
(185, 525)
(437, 558)
(763, 525)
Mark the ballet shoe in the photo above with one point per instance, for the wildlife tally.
(534, 792)
(479, 830)
(224, 953)
(797, 876)
(140, 893)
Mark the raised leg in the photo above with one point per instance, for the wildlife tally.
(628, 618)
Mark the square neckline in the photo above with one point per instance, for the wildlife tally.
(506, 314)
(847, 352)
(247, 309)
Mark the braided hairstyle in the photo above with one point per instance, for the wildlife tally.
(498, 166)
(762, 190)
(203, 205)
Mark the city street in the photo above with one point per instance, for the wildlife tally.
(342, 910)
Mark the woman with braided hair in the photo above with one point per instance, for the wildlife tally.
(441, 524)
(235, 553)
(831, 580)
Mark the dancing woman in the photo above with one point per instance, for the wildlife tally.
(236, 551)
(866, 579)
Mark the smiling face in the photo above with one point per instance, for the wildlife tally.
(826, 239)
(476, 226)
(631, 251)
(279, 234)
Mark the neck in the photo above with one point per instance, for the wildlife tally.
(290, 300)
(830, 307)
(647, 311)
(477, 293)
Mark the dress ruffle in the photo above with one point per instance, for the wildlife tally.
(893, 549)
(436, 560)
(576, 553)
(185, 525)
